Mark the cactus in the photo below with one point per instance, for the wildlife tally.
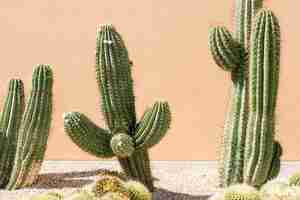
(81, 195)
(294, 179)
(107, 184)
(274, 190)
(24, 134)
(48, 196)
(115, 196)
(249, 153)
(137, 191)
(241, 192)
(125, 138)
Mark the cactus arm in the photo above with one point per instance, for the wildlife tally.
(9, 124)
(88, 136)
(224, 49)
(113, 70)
(264, 62)
(153, 126)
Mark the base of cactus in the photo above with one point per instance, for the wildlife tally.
(137, 166)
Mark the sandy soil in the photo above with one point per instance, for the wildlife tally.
(175, 180)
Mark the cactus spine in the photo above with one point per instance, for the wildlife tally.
(24, 135)
(248, 147)
(125, 138)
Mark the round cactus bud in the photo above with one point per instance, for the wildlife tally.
(137, 191)
(107, 184)
(115, 196)
(122, 145)
(241, 192)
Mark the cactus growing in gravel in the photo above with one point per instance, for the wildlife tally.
(24, 135)
(107, 184)
(241, 192)
(125, 138)
(249, 153)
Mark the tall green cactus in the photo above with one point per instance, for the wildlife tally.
(249, 152)
(24, 135)
(125, 138)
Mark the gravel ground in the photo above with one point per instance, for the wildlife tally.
(175, 180)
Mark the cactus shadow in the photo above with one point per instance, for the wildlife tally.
(163, 194)
(75, 179)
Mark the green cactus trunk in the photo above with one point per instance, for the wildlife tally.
(248, 140)
(126, 139)
(34, 130)
(10, 123)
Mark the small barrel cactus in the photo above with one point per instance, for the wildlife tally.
(125, 138)
(294, 179)
(107, 184)
(81, 195)
(24, 131)
(48, 196)
(241, 192)
(249, 152)
(115, 196)
(137, 191)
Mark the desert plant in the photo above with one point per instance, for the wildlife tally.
(115, 196)
(125, 138)
(107, 184)
(241, 192)
(23, 137)
(249, 152)
(48, 196)
(294, 179)
(137, 191)
(278, 190)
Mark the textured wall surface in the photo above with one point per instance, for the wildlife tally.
(167, 41)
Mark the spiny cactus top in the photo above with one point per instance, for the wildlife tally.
(126, 137)
(249, 152)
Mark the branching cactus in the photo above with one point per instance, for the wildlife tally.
(24, 136)
(249, 152)
(125, 138)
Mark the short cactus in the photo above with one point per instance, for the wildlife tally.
(48, 196)
(241, 192)
(274, 190)
(294, 179)
(24, 135)
(81, 195)
(125, 138)
(107, 184)
(115, 196)
(137, 191)
(249, 152)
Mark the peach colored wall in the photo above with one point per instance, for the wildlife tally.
(167, 41)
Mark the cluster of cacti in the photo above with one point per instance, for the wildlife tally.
(249, 152)
(125, 138)
(272, 190)
(24, 131)
(107, 187)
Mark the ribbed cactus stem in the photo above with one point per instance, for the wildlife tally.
(264, 71)
(252, 57)
(126, 139)
(34, 130)
(113, 70)
(9, 123)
